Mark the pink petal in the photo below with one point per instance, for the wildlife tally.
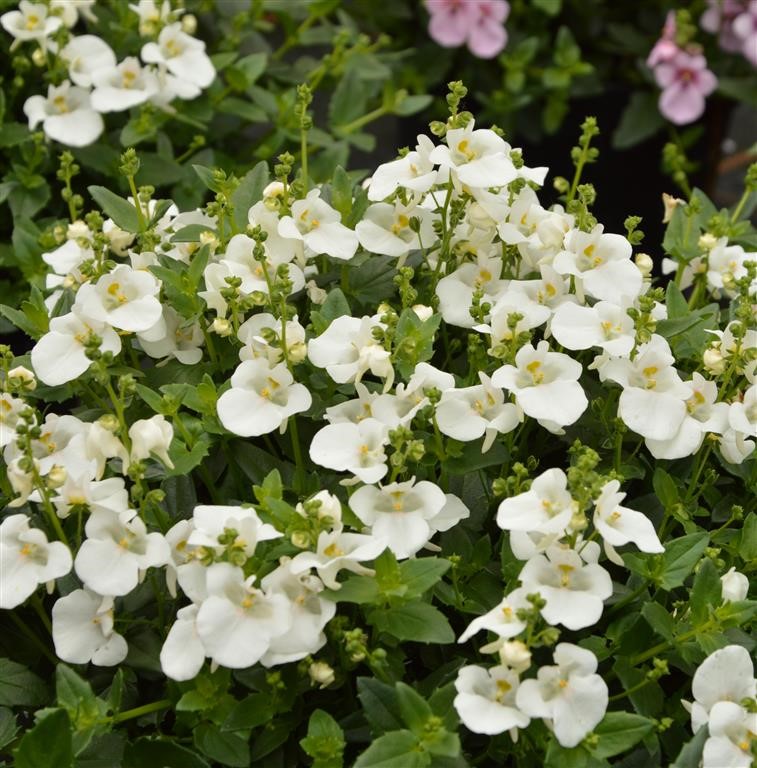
(681, 103)
(450, 22)
(487, 38)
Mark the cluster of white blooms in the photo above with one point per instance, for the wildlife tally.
(174, 65)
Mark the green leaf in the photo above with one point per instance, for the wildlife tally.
(154, 753)
(471, 459)
(675, 302)
(123, 213)
(681, 555)
(413, 340)
(249, 192)
(414, 709)
(48, 744)
(341, 192)
(251, 712)
(416, 621)
(706, 591)
(659, 619)
(619, 731)
(398, 748)
(420, 574)
(665, 488)
(748, 545)
(324, 741)
(742, 89)
(412, 104)
(184, 461)
(191, 233)
(356, 589)
(335, 306)
(562, 757)
(550, 7)
(19, 687)
(690, 755)
(205, 175)
(640, 119)
(8, 727)
(349, 99)
(227, 748)
(380, 704)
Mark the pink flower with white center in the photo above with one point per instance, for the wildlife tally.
(686, 82)
(479, 23)
(745, 29)
(665, 48)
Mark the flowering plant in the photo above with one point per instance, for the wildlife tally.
(281, 460)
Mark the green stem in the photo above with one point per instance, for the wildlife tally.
(40, 611)
(137, 204)
(740, 206)
(304, 158)
(299, 464)
(145, 709)
(119, 409)
(692, 495)
(668, 644)
(359, 122)
(631, 690)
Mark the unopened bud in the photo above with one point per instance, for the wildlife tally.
(713, 360)
(644, 263)
(274, 189)
(56, 476)
(108, 421)
(707, 241)
(38, 58)
(297, 352)
(221, 326)
(515, 654)
(22, 378)
(321, 673)
(315, 294)
(189, 24)
(735, 586)
(423, 312)
(300, 539)
(670, 203)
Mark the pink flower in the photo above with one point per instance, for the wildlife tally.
(744, 27)
(718, 19)
(665, 48)
(685, 81)
(479, 23)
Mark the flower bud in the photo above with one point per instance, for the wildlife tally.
(21, 481)
(118, 239)
(670, 203)
(707, 241)
(297, 352)
(56, 476)
(108, 421)
(515, 654)
(300, 539)
(38, 58)
(735, 586)
(189, 24)
(274, 189)
(78, 230)
(713, 360)
(208, 238)
(221, 326)
(321, 673)
(151, 436)
(315, 294)
(22, 378)
(330, 508)
(423, 312)
(644, 263)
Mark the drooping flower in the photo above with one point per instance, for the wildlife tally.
(240, 527)
(734, 585)
(486, 700)
(149, 437)
(66, 115)
(183, 654)
(686, 82)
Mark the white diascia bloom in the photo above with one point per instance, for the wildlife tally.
(83, 630)
(79, 490)
(86, 55)
(620, 525)
(455, 291)
(10, 407)
(117, 552)
(27, 560)
(56, 444)
(574, 591)
(602, 262)
(347, 349)
(545, 385)
(261, 398)
(604, 325)
(183, 654)
(150, 437)
(472, 412)
(237, 622)
(183, 56)
(30, 22)
(485, 700)
(725, 264)
(401, 514)
(742, 424)
(240, 527)
(183, 339)
(653, 401)
(262, 337)
(69, 10)
(336, 551)
(60, 356)
(385, 229)
(319, 226)
(513, 302)
(413, 171)
(725, 675)
(125, 298)
(732, 728)
(734, 585)
(355, 448)
(476, 158)
(123, 86)
(309, 614)
(547, 507)
(570, 696)
(65, 114)
(502, 619)
(703, 415)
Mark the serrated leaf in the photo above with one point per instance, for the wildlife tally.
(414, 709)
(226, 748)
(659, 619)
(380, 704)
(19, 686)
(251, 712)
(420, 574)
(324, 741)
(356, 589)
(680, 557)
(416, 621)
(48, 744)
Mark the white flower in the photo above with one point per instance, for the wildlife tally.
(117, 551)
(742, 420)
(261, 398)
(60, 356)
(213, 521)
(570, 695)
(319, 226)
(726, 263)
(574, 591)
(152, 15)
(125, 298)
(10, 407)
(731, 731)
(69, 10)
(385, 229)
(502, 619)
(532, 315)
(619, 525)
(237, 622)
(725, 675)
(735, 586)
(149, 437)
(477, 158)
(183, 654)
(347, 349)
(336, 551)
(123, 86)
(485, 700)
(603, 262)
(240, 261)
(85, 56)
(184, 56)
(83, 630)
(414, 171)
(604, 325)
(262, 336)
(66, 115)
(79, 490)
(400, 514)
(181, 338)
(545, 385)
(355, 448)
(27, 560)
(472, 412)
(30, 22)
(547, 507)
